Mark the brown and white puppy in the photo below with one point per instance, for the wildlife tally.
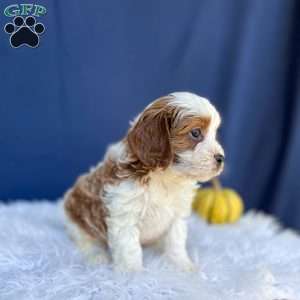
(141, 192)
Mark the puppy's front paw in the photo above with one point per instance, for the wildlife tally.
(123, 268)
(184, 264)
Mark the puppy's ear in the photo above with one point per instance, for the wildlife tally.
(149, 138)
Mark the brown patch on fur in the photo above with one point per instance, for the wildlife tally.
(149, 139)
(84, 204)
(181, 140)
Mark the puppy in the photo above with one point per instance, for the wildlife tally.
(141, 193)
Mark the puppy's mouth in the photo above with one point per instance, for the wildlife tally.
(219, 169)
(201, 173)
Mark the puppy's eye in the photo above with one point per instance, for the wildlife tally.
(196, 134)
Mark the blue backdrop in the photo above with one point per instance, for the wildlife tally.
(100, 62)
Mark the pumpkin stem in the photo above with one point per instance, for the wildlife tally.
(216, 184)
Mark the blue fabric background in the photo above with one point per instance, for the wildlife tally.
(100, 62)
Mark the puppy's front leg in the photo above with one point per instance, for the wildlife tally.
(124, 243)
(125, 206)
(175, 246)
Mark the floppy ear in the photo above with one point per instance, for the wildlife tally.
(149, 139)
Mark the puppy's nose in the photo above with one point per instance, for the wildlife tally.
(219, 158)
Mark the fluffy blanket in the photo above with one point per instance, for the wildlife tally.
(253, 259)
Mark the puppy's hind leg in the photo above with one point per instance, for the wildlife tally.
(94, 251)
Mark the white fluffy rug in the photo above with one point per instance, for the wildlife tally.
(251, 260)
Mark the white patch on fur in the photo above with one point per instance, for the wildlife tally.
(144, 214)
(116, 151)
(124, 210)
(200, 163)
(195, 105)
(169, 197)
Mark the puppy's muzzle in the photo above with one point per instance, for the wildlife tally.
(219, 159)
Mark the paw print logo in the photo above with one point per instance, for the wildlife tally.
(24, 32)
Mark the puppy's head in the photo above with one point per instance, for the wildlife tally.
(178, 131)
